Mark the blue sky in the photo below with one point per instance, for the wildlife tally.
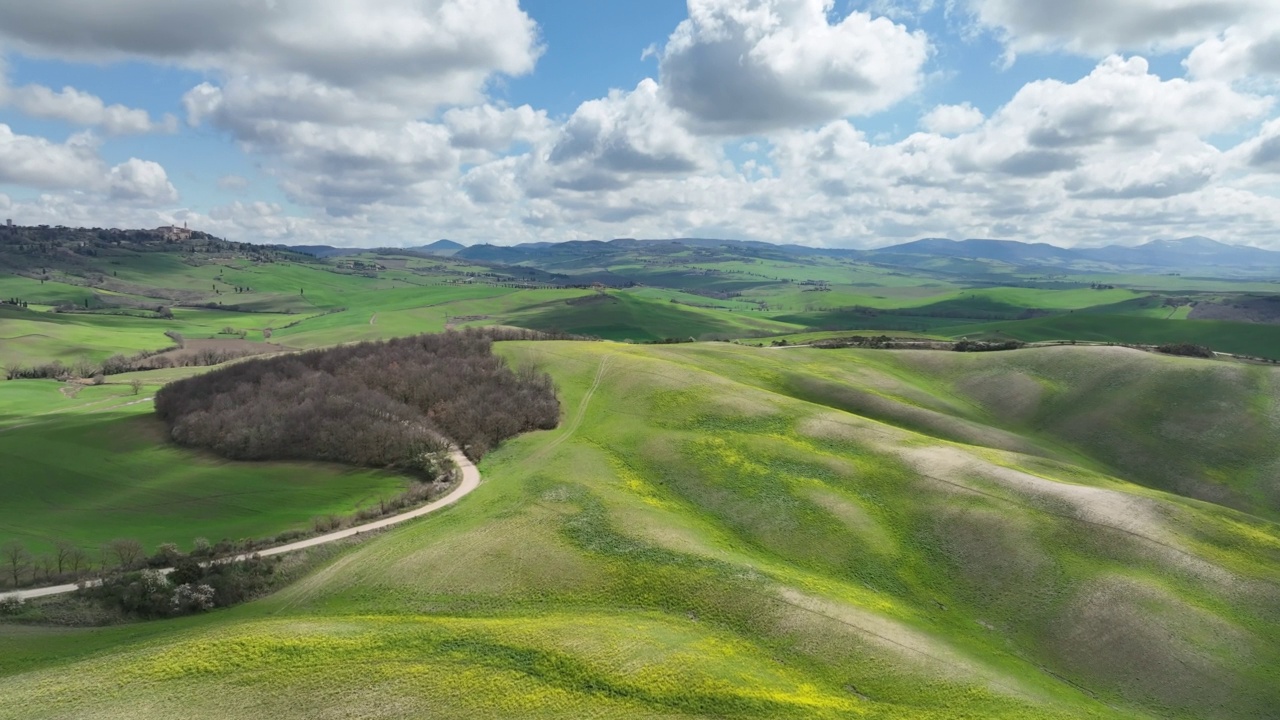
(820, 122)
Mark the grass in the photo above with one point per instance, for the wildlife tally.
(714, 530)
(1230, 337)
(708, 534)
(630, 316)
(96, 467)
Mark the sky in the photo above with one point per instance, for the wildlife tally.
(818, 122)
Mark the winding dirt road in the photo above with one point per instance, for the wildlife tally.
(470, 481)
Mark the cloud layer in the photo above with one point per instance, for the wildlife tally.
(380, 123)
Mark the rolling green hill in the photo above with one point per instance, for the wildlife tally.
(1231, 337)
(720, 531)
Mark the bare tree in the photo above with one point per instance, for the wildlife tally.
(47, 563)
(62, 554)
(127, 551)
(77, 561)
(136, 384)
(16, 560)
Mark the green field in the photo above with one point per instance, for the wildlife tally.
(97, 467)
(629, 316)
(719, 531)
(715, 529)
(1230, 337)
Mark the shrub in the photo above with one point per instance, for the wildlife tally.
(11, 605)
(188, 598)
(1186, 350)
(978, 346)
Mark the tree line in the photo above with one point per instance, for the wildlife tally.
(392, 404)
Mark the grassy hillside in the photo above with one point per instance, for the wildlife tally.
(1230, 337)
(96, 466)
(629, 316)
(718, 531)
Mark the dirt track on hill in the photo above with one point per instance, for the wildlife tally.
(470, 481)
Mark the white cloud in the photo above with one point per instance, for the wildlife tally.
(952, 119)
(79, 108)
(491, 128)
(1122, 102)
(1100, 27)
(77, 165)
(1262, 152)
(140, 181)
(1240, 51)
(346, 168)
(382, 145)
(745, 66)
(40, 163)
(84, 109)
(423, 52)
(608, 143)
(338, 93)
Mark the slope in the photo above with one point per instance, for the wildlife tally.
(705, 537)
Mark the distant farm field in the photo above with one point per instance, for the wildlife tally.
(1231, 337)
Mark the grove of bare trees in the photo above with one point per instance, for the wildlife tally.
(392, 404)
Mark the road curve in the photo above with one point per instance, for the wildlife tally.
(470, 481)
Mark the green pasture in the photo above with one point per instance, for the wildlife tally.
(96, 466)
(622, 315)
(36, 337)
(722, 531)
(1230, 337)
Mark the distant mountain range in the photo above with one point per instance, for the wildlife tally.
(439, 247)
(1188, 252)
(1183, 254)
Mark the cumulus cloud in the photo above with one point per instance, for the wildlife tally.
(491, 128)
(1240, 51)
(40, 163)
(338, 93)
(77, 165)
(83, 109)
(140, 181)
(746, 66)
(1262, 152)
(1122, 102)
(952, 119)
(345, 168)
(608, 142)
(421, 51)
(1097, 27)
(382, 118)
